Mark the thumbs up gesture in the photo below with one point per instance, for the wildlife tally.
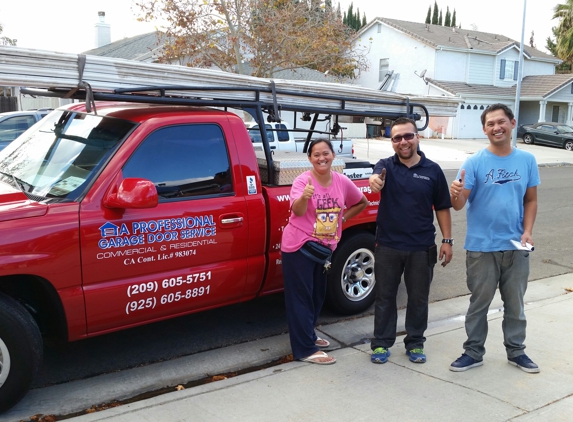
(458, 185)
(377, 181)
(308, 190)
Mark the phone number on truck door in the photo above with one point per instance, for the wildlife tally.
(153, 286)
(151, 302)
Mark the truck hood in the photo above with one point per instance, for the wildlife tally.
(15, 205)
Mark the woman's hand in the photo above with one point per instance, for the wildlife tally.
(308, 190)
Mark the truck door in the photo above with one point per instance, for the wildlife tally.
(186, 254)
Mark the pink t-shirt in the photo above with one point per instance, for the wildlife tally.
(322, 221)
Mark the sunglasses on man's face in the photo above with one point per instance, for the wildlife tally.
(406, 136)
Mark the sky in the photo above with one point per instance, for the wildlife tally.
(68, 25)
(494, 16)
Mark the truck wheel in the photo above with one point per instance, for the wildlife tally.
(20, 351)
(351, 280)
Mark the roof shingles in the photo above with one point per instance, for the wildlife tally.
(437, 35)
(537, 86)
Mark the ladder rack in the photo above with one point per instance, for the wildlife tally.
(74, 76)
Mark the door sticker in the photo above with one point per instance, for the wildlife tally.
(251, 185)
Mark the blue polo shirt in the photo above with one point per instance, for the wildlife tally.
(405, 218)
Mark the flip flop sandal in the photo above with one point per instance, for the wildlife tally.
(319, 355)
(320, 342)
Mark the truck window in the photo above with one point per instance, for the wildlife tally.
(183, 161)
(61, 155)
(282, 133)
(255, 134)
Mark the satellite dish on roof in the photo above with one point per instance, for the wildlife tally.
(421, 75)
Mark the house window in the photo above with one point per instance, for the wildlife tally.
(379, 26)
(508, 69)
(383, 69)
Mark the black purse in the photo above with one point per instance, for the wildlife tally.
(318, 253)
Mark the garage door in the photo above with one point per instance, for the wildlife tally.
(469, 116)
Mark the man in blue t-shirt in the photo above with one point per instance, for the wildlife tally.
(414, 187)
(499, 184)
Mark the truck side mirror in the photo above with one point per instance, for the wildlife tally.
(132, 193)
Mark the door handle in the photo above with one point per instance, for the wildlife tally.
(231, 220)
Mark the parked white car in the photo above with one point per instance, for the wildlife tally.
(15, 123)
(281, 138)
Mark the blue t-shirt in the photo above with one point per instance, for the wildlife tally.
(495, 206)
(405, 218)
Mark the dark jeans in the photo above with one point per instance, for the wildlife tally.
(389, 266)
(305, 291)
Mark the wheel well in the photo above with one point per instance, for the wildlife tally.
(369, 227)
(41, 300)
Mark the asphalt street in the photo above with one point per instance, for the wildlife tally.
(262, 320)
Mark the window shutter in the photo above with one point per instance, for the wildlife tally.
(502, 69)
(515, 69)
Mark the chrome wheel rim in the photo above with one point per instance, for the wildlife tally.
(4, 362)
(358, 276)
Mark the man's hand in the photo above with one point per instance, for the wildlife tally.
(377, 181)
(458, 185)
(446, 253)
(308, 190)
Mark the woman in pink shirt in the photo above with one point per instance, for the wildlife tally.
(321, 200)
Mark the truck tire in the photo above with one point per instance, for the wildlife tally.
(21, 351)
(351, 280)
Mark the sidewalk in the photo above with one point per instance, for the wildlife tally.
(355, 389)
(352, 389)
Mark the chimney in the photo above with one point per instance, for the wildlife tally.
(102, 31)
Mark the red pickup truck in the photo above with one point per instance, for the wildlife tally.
(140, 213)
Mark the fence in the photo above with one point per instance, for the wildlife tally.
(8, 104)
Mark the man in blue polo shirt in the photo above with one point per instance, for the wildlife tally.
(413, 187)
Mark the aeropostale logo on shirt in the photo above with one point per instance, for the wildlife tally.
(501, 176)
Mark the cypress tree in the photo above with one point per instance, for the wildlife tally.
(364, 22)
(435, 14)
(448, 21)
(454, 18)
(440, 19)
(429, 15)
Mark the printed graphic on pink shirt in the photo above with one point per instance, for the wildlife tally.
(327, 213)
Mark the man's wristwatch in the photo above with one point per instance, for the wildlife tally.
(450, 241)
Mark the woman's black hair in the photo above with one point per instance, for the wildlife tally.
(318, 141)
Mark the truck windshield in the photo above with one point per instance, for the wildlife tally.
(61, 155)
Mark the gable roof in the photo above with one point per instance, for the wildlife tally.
(144, 48)
(139, 48)
(455, 38)
(536, 86)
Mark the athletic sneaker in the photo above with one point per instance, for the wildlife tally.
(465, 362)
(524, 363)
(416, 355)
(380, 355)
